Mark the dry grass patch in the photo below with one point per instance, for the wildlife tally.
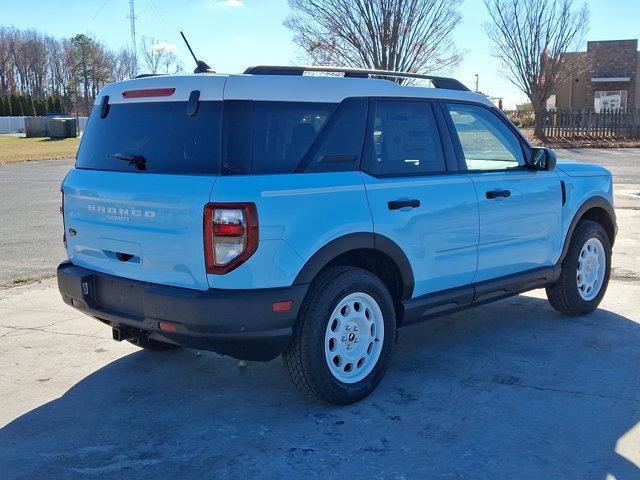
(20, 149)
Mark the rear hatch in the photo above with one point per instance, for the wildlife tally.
(147, 163)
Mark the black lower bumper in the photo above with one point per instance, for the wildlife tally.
(238, 323)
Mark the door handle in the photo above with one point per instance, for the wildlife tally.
(498, 193)
(398, 204)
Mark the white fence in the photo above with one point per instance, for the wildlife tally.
(16, 124)
(11, 124)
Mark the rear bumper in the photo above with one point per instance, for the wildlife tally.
(238, 323)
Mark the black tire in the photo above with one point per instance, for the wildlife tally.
(305, 359)
(150, 344)
(563, 294)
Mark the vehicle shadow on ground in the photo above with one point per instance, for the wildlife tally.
(508, 390)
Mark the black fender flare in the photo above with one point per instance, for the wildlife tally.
(357, 241)
(593, 202)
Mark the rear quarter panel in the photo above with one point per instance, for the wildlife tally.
(297, 215)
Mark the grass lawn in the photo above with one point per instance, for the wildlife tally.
(20, 149)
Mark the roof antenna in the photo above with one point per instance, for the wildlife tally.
(201, 67)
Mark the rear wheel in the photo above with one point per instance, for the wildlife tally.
(585, 271)
(344, 337)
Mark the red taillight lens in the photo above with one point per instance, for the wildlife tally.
(228, 230)
(149, 92)
(230, 235)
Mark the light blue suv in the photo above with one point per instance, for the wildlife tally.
(278, 212)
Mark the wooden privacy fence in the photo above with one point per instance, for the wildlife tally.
(588, 123)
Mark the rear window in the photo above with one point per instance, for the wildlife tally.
(162, 133)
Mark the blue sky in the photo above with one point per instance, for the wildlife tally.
(233, 34)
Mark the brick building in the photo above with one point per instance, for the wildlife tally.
(608, 77)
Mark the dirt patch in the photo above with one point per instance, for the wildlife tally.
(581, 141)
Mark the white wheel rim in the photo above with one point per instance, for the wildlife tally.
(354, 337)
(592, 264)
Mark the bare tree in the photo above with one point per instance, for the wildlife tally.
(6, 63)
(126, 65)
(530, 37)
(404, 35)
(159, 57)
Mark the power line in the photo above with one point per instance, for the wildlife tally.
(154, 9)
(98, 12)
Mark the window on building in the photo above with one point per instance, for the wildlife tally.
(551, 102)
(610, 100)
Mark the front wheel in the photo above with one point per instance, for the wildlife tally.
(344, 336)
(585, 271)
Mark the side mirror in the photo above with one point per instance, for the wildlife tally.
(542, 159)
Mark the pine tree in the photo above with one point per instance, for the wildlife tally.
(58, 108)
(50, 105)
(24, 105)
(7, 106)
(31, 110)
(16, 106)
(39, 106)
(2, 114)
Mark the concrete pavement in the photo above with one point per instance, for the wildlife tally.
(30, 223)
(507, 390)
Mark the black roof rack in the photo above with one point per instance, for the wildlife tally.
(438, 82)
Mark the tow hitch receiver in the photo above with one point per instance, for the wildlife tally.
(118, 335)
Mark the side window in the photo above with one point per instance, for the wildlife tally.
(283, 132)
(339, 146)
(487, 143)
(403, 139)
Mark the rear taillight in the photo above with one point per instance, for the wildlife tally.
(230, 235)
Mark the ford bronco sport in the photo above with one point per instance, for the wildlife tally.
(277, 212)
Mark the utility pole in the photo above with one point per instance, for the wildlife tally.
(132, 18)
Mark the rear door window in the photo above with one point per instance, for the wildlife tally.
(169, 140)
(403, 139)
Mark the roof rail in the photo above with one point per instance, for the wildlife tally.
(147, 75)
(438, 82)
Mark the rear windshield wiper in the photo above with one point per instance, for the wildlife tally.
(138, 160)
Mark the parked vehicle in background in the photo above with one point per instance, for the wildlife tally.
(312, 216)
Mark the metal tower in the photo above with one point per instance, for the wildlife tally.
(132, 17)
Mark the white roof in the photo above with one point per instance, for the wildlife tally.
(291, 88)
